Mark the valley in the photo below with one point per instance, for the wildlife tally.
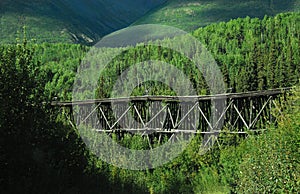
(69, 21)
(86, 22)
(43, 48)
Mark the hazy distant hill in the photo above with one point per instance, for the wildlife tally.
(69, 20)
(191, 14)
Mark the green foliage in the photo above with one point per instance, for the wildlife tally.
(256, 54)
(39, 29)
(39, 153)
(268, 162)
(271, 165)
(115, 68)
(59, 66)
(18, 87)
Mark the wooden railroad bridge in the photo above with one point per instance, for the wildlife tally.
(240, 113)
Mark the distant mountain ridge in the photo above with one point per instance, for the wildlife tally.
(69, 20)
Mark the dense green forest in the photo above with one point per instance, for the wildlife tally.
(253, 54)
(41, 153)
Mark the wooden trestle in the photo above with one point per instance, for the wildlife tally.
(237, 112)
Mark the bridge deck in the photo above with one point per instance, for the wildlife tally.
(272, 92)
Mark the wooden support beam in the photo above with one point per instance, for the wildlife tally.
(259, 113)
(173, 131)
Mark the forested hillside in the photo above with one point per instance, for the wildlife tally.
(69, 21)
(87, 21)
(41, 153)
(256, 54)
(192, 14)
(253, 54)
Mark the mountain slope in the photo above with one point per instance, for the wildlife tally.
(69, 20)
(191, 14)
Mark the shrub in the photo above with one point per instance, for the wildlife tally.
(272, 159)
